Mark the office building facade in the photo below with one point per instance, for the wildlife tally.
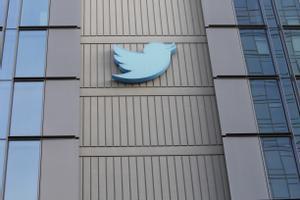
(39, 99)
(221, 123)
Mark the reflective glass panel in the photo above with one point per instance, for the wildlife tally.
(289, 11)
(2, 7)
(268, 106)
(22, 170)
(2, 157)
(7, 65)
(248, 12)
(293, 110)
(34, 13)
(281, 168)
(5, 96)
(257, 52)
(31, 57)
(13, 13)
(292, 39)
(27, 108)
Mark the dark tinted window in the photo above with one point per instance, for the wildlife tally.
(27, 108)
(292, 40)
(248, 12)
(22, 170)
(257, 52)
(289, 11)
(281, 167)
(268, 106)
(34, 13)
(5, 96)
(31, 54)
(13, 13)
(7, 65)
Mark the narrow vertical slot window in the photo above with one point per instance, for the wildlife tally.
(257, 52)
(27, 109)
(281, 168)
(9, 53)
(5, 96)
(268, 106)
(31, 58)
(22, 170)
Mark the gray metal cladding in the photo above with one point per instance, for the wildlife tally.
(154, 177)
(157, 140)
(190, 66)
(142, 17)
(149, 120)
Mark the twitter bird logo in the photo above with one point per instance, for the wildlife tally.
(142, 67)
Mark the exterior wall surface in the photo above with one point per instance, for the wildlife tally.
(156, 140)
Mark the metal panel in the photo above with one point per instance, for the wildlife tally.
(190, 66)
(218, 12)
(63, 57)
(226, 61)
(234, 100)
(159, 120)
(61, 108)
(60, 170)
(141, 17)
(245, 168)
(65, 13)
(155, 177)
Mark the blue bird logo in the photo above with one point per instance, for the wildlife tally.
(142, 67)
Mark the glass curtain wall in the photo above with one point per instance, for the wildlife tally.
(269, 31)
(23, 45)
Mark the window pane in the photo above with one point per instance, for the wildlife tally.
(34, 13)
(268, 106)
(289, 11)
(292, 42)
(257, 52)
(2, 7)
(281, 167)
(27, 109)
(31, 54)
(2, 156)
(5, 96)
(13, 13)
(7, 67)
(248, 12)
(22, 170)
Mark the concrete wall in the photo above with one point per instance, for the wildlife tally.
(156, 140)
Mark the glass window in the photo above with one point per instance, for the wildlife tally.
(2, 11)
(292, 39)
(7, 65)
(292, 106)
(281, 168)
(268, 106)
(34, 13)
(2, 156)
(31, 56)
(5, 96)
(13, 13)
(22, 170)
(289, 11)
(257, 52)
(27, 109)
(248, 12)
